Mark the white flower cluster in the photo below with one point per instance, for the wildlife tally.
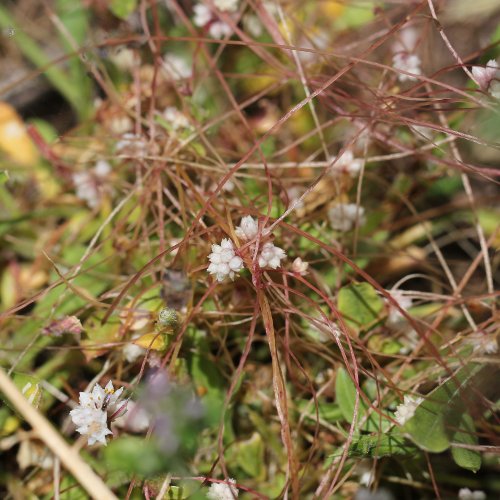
(176, 67)
(467, 494)
(404, 58)
(483, 343)
(403, 301)
(223, 260)
(88, 183)
(175, 118)
(271, 256)
(91, 415)
(406, 410)
(223, 491)
(131, 145)
(488, 78)
(205, 18)
(344, 215)
(248, 228)
(348, 164)
(227, 5)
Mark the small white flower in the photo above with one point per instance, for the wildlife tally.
(132, 352)
(91, 415)
(271, 256)
(483, 344)
(223, 491)
(485, 76)
(495, 88)
(124, 58)
(87, 184)
(294, 193)
(366, 472)
(202, 15)
(223, 261)
(102, 168)
(131, 144)
(219, 30)
(347, 163)
(407, 62)
(403, 301)
(176, 67)
(92, 423)
(467, 494)
(406, 41)
(248, 228)
(177, 119)
(252, 25)
(406, 410)
(299, 266)
(227, 5)
(343, 216)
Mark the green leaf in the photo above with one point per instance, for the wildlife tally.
(32, 51)
(465, 434)
(122, 8)
(359, 304)
(345, 391)
(429, 428)
(249, 456)
(134, 455)
(209, 383)
(378, 445)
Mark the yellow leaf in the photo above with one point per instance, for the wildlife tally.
(154, 341)
(331, 8)
(14, 140)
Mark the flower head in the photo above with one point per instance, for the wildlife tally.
(227, 5)
(131, 144)
(248, 228)
(205, 18)
(223, 491)
(223, 261)
(467, 494)
(403, 301)
(271, 256)
(343, 216)
(347, 163)
(88, 183)
(484, 76)
(219, 30)
(202, 15)
(299, 266)
(403, 61)
(176, 119)
(91, 415)
(405, 411)
(176, 67)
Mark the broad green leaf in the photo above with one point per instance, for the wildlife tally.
(465, 434)
(429, 427)
(378, 445)
(359, 304)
